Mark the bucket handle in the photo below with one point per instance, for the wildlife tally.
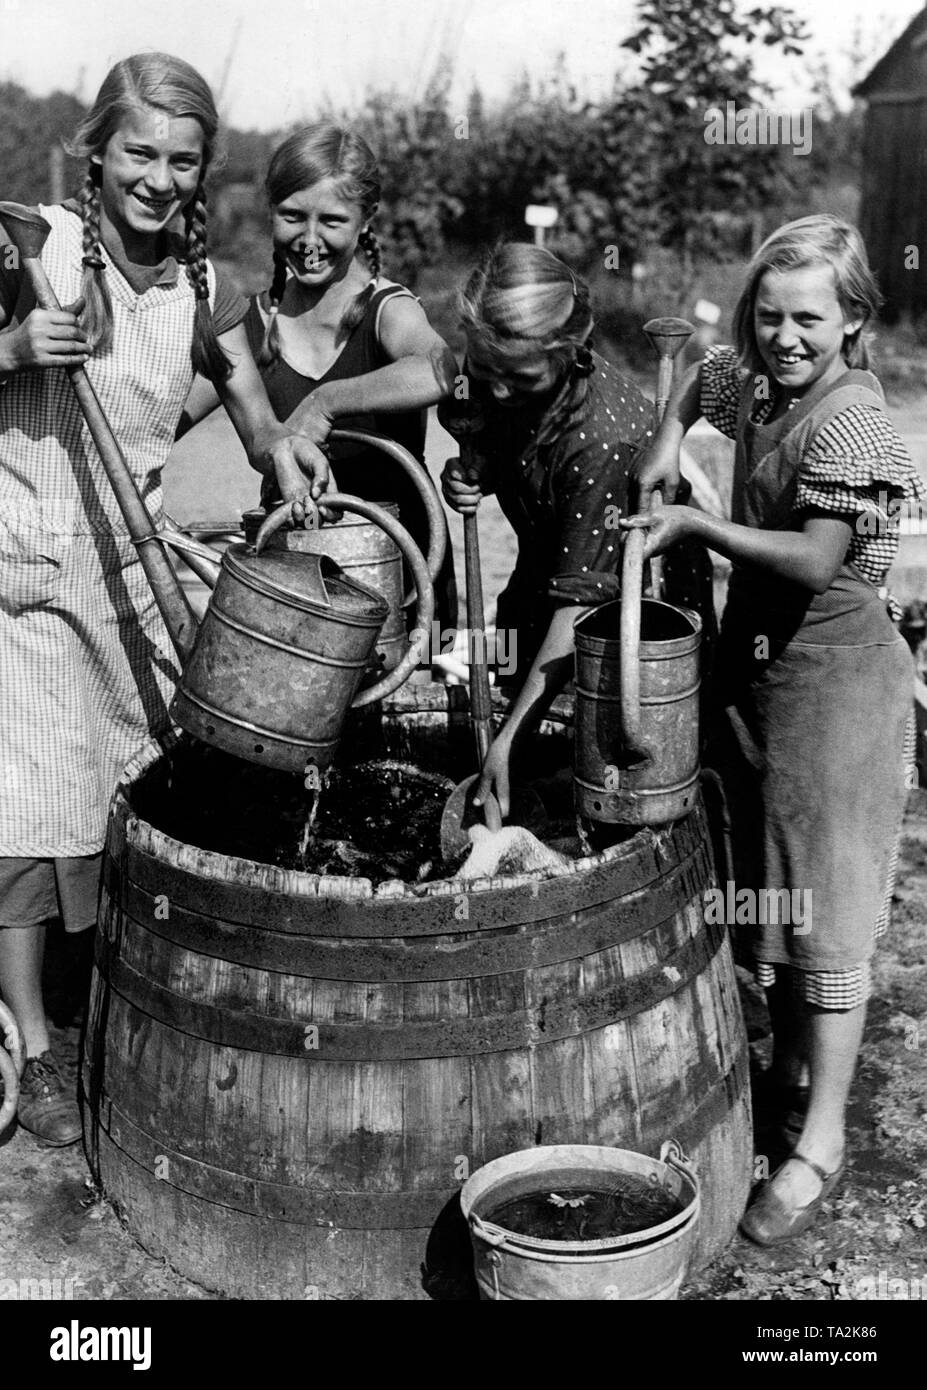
(492, 1237)
(416, 562)
(671, 1153)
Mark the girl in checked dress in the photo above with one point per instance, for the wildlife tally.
(815, 682)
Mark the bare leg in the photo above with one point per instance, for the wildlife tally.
(834, 1039)
(791, 1043)
(21, 952)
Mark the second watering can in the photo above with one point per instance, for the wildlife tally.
(636, 755)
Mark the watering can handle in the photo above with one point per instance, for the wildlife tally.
(417, 474)
(416, 562)
(657, 583)
(632, 574)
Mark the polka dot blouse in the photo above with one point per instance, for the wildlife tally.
(857, 465)
(563, 488)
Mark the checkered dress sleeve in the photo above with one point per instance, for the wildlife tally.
(857, 466)
(721, 385)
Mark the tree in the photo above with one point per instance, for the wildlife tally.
(696, 55)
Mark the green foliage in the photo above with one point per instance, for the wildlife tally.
(695, 56)
(29, 128)
(632, 171)
(411, 143)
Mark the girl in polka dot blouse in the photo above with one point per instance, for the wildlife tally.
(560, 428)
(816, 683)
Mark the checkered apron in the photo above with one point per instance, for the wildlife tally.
(86, 666)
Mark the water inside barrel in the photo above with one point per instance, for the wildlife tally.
(378, 818)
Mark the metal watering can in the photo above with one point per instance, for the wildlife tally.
(286, 641)
(637, 689)
(365, 551)
(636, 758)
(287, 638)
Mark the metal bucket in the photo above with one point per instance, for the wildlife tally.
(636, 759)
(278, 658)
(644, 1265)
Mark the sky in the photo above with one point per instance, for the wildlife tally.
(275, 61)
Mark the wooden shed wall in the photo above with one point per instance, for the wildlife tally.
(894, 199)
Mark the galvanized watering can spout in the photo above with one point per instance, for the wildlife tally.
(205, 562)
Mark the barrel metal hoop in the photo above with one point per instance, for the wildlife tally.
(400, 1210)
(488, 952)
(413, 914)
(304, 1206)
(449, 1037)
(263, 640)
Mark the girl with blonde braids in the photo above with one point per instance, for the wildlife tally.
(87, 667)
(337, 343)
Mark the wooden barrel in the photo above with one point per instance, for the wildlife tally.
(288, 1079)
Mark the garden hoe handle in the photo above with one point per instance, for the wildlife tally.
(463, 426)
(668, 336)
(27, 231)
(480, 694)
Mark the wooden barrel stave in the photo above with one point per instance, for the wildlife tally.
(384, 1138)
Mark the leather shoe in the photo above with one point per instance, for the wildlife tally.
(769, 1221)
(47, 1107)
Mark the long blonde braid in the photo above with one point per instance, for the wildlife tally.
(97, 317)
(206, 353)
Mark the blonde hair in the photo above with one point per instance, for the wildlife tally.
(163, 83)
(309, 155)
(521, 300)
(821, 239)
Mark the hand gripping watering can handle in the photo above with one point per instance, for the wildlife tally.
(416, 562)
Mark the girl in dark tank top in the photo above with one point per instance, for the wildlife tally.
(338, 345)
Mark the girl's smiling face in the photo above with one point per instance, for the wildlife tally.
(315, 231)
(522, 381)
(800, 326)
(150, 170)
